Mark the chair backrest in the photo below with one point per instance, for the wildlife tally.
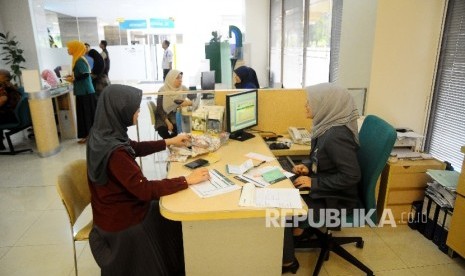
(152, 108)
(23, 113)
(377, 138)
(73, 188)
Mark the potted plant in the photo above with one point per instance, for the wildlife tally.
(12, 55)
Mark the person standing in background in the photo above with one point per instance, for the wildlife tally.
(99, 78)
(90, 60)
(82, 88)
(105, 56)
(167, 62)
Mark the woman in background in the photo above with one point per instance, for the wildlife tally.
(99, 78)
(129, 235)
(82, 88)
(333, 174)
(165, 115)
(245, 77)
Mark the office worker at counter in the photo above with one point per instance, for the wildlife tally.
(165, 114)
(82, 88)
(333, 174)
(245, 77)
(129, 236)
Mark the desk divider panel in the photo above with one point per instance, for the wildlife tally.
(278, 109)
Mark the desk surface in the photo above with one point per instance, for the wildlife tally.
(186, 205)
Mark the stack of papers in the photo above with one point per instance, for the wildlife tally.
(442, 189)
(269, 198)
(217, 185)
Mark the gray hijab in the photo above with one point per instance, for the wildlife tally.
(116, 107)
(331, 105)
(168, 100)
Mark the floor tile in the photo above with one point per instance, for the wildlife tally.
(52, 227)
(3, 251)
(396, 272)
(86, 263)
(37, 260)
(14, 224)
(412, 247)
(442, 269)
(27, 198)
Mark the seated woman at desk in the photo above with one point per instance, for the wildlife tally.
(165, 115)
(245, 77)
(333, 173)
(129, 236)
(9, 99)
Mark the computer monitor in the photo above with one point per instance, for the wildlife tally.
(242, 113)
(207, 80)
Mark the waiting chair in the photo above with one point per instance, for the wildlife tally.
(23, 121)
(152, 108)
(377, 138)
(73, 189)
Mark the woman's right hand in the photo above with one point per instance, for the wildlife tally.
(300, 169)
(197, 176)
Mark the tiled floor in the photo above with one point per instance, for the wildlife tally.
(35, 237)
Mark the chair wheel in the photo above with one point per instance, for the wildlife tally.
(360, 244)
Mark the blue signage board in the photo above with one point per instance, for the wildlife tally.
(133, 24)
(161, 23)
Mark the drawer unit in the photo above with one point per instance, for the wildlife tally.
(402, 183)
(456, 237)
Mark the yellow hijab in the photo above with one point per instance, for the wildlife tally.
(76, 49)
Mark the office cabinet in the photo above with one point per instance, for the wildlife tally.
(401, 183)
(456, 237)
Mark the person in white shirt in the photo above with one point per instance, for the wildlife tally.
(167, 62)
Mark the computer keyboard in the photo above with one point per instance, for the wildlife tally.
(286, 163)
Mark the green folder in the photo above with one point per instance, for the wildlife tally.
(273, 176)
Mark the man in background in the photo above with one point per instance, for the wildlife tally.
(88, 58)
(105, 56)
(167, 62)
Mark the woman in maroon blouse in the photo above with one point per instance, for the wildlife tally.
(129, 236)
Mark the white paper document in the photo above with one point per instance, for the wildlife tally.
(267, 198)
(242, 168)
(258, 156)
(217, 185)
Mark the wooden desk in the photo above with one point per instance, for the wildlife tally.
(220, 237)
(43, 119)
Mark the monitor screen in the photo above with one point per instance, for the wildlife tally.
(242, 113)
(207, 80)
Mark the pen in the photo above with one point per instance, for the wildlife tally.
(258, 165)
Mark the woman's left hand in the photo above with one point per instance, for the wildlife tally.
(180, 140)
(186, 103)
(303, 182)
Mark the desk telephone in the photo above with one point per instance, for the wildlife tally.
(299, 135)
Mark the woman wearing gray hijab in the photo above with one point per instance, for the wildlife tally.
(129, 236)
(333, 173)
(165, 115)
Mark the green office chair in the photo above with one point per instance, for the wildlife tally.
(377, 138)
(23, 121)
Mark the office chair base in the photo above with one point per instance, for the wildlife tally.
(330, 243)
(12, 150)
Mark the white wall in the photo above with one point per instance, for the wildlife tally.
(357, 38)
(405, 53)
(16, 19)
(256, 34)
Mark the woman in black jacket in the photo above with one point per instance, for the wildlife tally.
(332, 174)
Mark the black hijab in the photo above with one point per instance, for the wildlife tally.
(115, 111)
(99, 64)
(248, 77)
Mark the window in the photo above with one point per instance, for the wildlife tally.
(446, 126)
(304, 35)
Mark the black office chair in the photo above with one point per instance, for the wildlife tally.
(377, 138)
(23, 121)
